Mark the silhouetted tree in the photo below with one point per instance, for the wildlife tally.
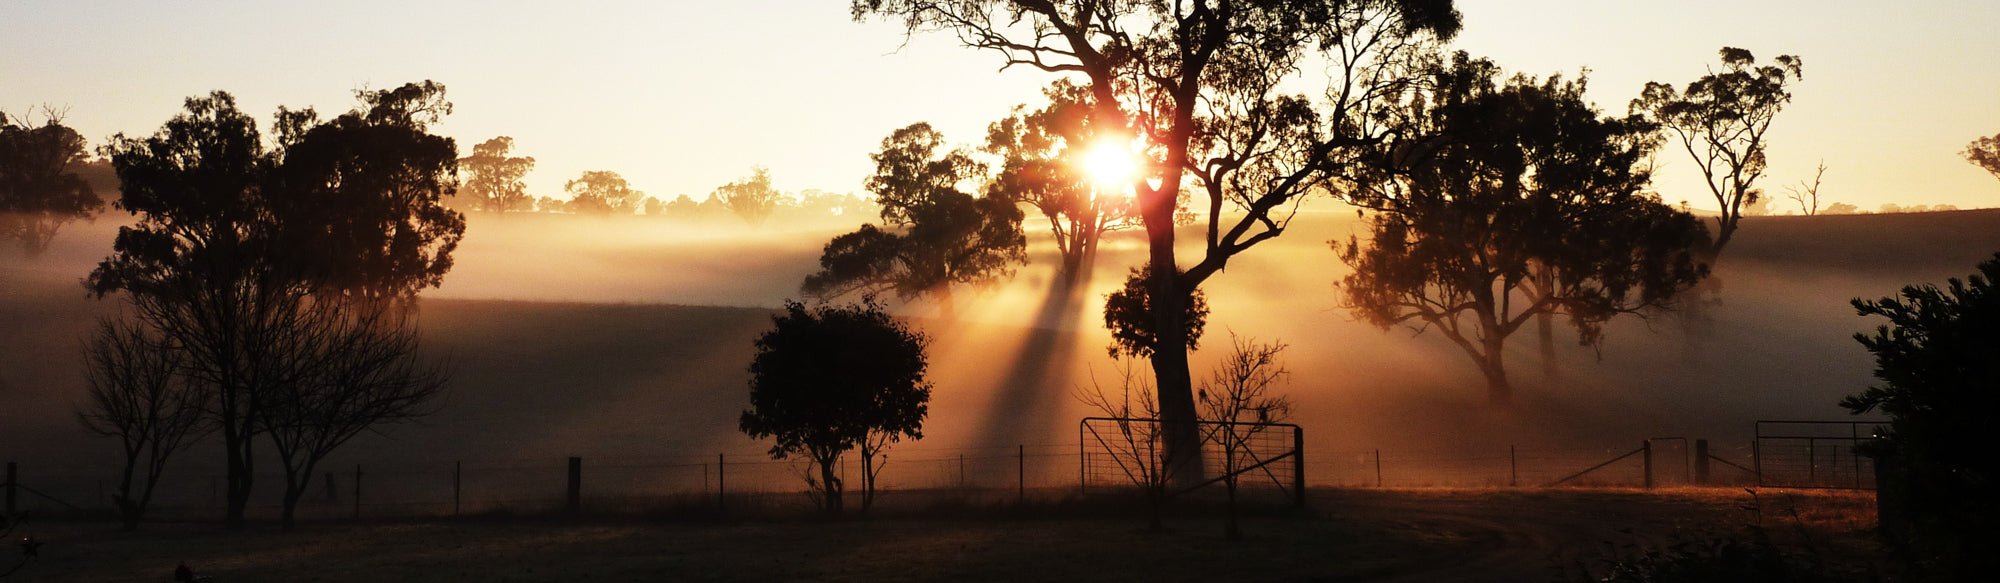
(942, 236)
(493, 180)
(1984, 153)
(1940, 383)
(139, 395)
(601, 193)
(653, 206)
(233, 242)
(1505, 182)
(1043, 164)
(360, 198)
(751, 198)
(1210, 87)
(1840, 208)
(40, 188)
(1238, 398)
(835, 378)
(1807, 195)
(349, 366)
(550, 204)
(1720, 120)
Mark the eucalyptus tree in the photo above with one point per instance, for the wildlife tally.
(1720, 120)
(1046, 158)
(40, 186)
(1510, 201)
(1227, 99)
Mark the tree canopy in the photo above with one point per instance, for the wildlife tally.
(752, 198)
(1938, 360)
(493, 180)
(1984, 153)
(937, 235)
(833, 378)
(602, 193)
(40, 188)
(1511, 201)
(1720, 120)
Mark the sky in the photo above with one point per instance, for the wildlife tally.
(682, 97)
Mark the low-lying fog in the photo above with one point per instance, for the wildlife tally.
(627, 340)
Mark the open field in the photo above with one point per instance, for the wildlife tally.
(1349, 535)
(577, 337)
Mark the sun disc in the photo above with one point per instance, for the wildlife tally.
(1109, 164)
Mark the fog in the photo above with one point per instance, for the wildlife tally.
(628, 339)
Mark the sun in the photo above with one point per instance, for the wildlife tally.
(1109, 164)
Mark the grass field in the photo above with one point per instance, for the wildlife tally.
(1350, 535)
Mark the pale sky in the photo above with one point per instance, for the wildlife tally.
(681, 97)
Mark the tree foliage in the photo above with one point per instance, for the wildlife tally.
(237, 250)
(1043, 164)
(602, 193)
(1511, 201)
(40, 188)
(1938, 360)
(1720, 120)
(752, 198)
(1984, 153)
(1211, 87)
(493, 180)
(834, 378)
(1128, 313)
(936, 234)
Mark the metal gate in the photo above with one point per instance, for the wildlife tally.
(1814, 454)
(1127, 452)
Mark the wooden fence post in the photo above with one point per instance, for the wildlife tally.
(1513, 469)
(1021, 473)
(457, 485)
(13, 481)
(574, 500)
(1701, 462)
(721, 502)
(1378, 468)
(1647, 455)
(357, 491)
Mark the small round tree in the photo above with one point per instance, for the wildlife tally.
(833, 378)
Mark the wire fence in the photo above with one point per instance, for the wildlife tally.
(613, 484)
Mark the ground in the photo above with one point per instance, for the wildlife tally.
(1346, 535)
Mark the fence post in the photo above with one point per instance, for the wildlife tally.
(357, 491)
(720, 500)
(574, 500)
(1647, 448)
(1701, 462)
(961, 470)
(1757, 459)
(1513, 469)
(13, 481)
(1378, 468)
(1021, 473)
(457, 484)
(1299, 463)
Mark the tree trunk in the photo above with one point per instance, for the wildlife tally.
(236, 446)
(829, 479)
(1494, 364)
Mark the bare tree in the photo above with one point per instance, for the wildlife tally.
(1807, 195)
(350, 366)
(1238, 402)
(138, 394)
(1139, 445)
